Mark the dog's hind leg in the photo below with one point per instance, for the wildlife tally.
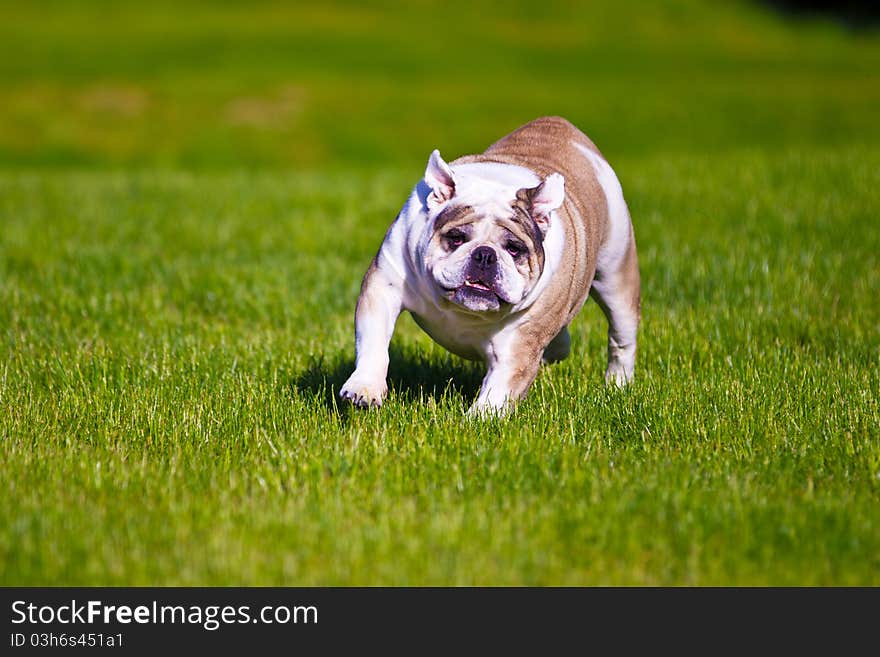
(559, 347)
(617, 290)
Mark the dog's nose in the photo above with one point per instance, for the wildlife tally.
(484, 256)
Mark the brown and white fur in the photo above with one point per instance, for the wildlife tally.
(494, 254)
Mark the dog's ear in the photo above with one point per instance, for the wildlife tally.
(544, 199)
(439, 177)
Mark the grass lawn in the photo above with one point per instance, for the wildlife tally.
(190, 194)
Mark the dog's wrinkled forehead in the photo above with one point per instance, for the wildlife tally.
(486, 198)
(514, 218)
(478, 200)
(455, 214)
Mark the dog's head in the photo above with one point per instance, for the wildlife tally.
(486, 247)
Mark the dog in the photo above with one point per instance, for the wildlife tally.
(494, 254)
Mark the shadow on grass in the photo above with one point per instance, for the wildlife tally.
(411, 378)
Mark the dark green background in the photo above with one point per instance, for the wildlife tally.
(224, 84)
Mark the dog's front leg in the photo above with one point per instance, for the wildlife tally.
(512, 369)
(379, 304)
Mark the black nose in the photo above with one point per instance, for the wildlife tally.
(484, 256)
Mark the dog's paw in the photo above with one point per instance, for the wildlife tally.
(363, 392)
(618, 375)
(484, 410)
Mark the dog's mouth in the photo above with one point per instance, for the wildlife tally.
(478, 285)
(476, 295)
(471, 286)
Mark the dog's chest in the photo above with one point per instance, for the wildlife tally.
(464, 338)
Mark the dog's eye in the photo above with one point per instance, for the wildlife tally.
(455, 238)
(515, 249)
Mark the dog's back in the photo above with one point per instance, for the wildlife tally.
(552, 144)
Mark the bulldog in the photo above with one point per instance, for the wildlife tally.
(494, 254)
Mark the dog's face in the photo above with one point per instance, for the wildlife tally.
(485, 251)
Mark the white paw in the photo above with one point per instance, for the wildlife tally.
(618, 375)
(364, 392)
(486, 412)
(483, 409)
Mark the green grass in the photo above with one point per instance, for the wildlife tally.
(178, 271)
